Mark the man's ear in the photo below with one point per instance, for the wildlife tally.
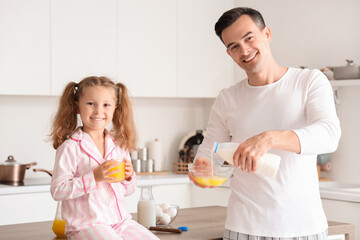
(267, 32)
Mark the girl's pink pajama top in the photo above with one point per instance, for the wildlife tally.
(84, 202)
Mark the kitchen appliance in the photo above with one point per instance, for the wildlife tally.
(32, 181)
(12, 172)
(29, 182)
(189, 145)
(187, 151)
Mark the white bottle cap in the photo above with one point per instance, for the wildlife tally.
(215, 147)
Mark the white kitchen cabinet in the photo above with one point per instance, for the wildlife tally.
(209, 196)
(83, 41)
(7, 210)
(336, 237)
(343, 211)
(24, 208)
(24, 47)
(147, 47)
(203, 66)
(184, 195)
(338, 84)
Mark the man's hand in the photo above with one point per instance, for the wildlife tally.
(203, 165)
(252, 149)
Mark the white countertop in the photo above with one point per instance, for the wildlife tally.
(43, 184)
(328, 190)
(340, 191)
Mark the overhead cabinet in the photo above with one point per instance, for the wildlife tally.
(147, 47)
(158, 48)
(83, 40)
(203, 66)
(24, 47)
(168, 48)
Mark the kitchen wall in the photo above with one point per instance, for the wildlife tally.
(26, 120)
(304, 33)
(317, 34)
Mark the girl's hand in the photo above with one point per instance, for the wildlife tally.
(101, 173)
(129, 170)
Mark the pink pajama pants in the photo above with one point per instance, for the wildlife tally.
(127, 230)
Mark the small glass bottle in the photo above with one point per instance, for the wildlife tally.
(59, 223)
(146, 209)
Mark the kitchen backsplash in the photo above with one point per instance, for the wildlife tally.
(26, 120)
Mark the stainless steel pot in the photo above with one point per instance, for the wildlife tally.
(12, 171)
(350, 71)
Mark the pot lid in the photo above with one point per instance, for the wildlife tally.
(10, 161)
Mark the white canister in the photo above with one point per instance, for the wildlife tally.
(134, 155)
(149, 165)
(155, 153)
(143, 153)
(136, 165)
(143, 164)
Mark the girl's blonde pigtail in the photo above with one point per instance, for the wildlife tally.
(123, 120)
(65, 120)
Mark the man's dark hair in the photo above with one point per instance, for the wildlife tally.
(230, 16)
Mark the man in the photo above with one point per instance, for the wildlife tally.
(286, 111)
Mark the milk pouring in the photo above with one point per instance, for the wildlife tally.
(268, 165)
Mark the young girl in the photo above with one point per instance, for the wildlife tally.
(92, 205)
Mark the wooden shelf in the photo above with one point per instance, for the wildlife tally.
(345, 82)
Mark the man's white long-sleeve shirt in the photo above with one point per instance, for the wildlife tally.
(290, 204)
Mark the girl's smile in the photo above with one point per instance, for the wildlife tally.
(97, 119)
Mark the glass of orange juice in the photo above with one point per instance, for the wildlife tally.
(120, 176)
(59, 227)
(59, 223)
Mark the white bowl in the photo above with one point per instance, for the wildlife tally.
(167, 214)
(211, 177)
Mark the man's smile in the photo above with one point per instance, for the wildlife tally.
(249, 59)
